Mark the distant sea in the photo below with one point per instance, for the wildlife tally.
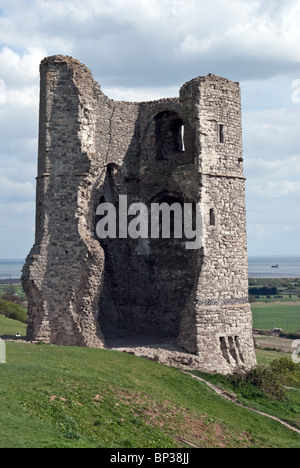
(259, 267)
(11, 269)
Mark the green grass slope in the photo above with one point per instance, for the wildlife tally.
(11, 327)
(73, 397)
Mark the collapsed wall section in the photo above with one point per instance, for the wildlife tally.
(62, 275)
(148, 281)
(83, 134)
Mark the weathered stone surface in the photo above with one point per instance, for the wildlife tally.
(94, 149)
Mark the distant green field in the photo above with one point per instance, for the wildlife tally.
(12, 288)
(268, 316)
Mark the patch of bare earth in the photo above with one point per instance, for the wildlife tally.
(186, 428)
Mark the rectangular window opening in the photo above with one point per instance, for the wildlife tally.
(221, 134)
(212, 217)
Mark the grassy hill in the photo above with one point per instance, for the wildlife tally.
(73, 397)
(11, 327)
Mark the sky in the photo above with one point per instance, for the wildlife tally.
(147, 49)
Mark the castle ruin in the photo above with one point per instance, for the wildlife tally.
(180, 150)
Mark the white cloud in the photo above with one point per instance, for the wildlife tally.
(257, 231)
(252, 37)
(20, 69)
(277, 169)
(139, 95)
(16, 190)
(281, 189)
(271, 143)
(16, 229)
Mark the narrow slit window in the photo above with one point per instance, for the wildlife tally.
(232, 348)
(224, 349)
(221, 134)
(182, 138)
(238, 347)
(212, 217)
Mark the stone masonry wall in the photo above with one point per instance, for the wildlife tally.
(181, 150)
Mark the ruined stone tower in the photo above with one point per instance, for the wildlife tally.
(180, 150)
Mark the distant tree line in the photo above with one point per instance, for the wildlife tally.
(13, 311)
(265, 291)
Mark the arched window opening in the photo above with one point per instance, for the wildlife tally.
(169, 135)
